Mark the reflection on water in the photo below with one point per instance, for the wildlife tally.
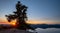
(48, 30)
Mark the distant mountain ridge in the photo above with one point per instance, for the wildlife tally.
(44, 26)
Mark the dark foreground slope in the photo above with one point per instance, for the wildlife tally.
(14, 31)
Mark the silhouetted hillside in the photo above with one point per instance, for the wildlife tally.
(44, 26)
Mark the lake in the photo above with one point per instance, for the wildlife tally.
(48, 30)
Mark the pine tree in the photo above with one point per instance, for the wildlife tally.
(20, 16)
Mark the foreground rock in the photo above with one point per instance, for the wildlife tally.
(14, 31)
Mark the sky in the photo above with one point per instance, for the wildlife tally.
(38, 12)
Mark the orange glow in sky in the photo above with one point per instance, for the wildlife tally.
(41, 22)
(4, 21)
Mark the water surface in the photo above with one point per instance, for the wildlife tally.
(48, 30)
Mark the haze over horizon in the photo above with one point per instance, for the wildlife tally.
(38, 12)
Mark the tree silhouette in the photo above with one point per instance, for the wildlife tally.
(20, 16)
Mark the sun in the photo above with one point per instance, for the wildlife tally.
(13, 23)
